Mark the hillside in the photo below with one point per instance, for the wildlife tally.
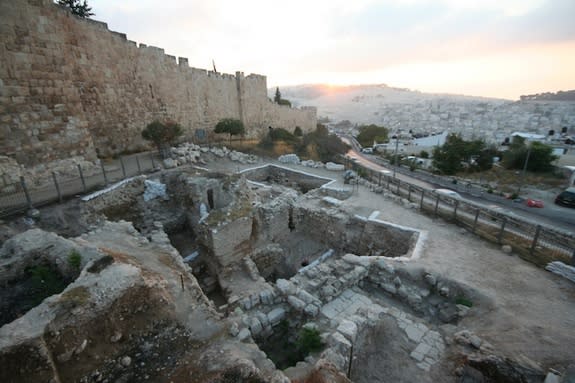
(568, 95)
(363, 103)
(491, 118)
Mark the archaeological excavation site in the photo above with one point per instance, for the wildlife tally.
(119, 265)
(269, 272)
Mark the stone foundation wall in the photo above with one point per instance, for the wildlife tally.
(71, 87)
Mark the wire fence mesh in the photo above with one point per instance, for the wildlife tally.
(21, 196)
(535, 243)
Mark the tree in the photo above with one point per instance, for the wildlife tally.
(232, 126)
(540, 156)
(457, 153)
(162, 135)
(370, 133)
(327, 147)
(78, 8)
(278, 96)
(424, 154)
(297, 132)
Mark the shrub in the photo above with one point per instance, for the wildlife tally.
(297, 132)
(75, 259)
(309, 341)
(280, 134)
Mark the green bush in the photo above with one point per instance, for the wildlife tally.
(297, 132)
(280, 134)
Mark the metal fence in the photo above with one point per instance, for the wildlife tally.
(23, 195)
(536, 243)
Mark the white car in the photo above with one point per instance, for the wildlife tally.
(447, 193)
(367, 150)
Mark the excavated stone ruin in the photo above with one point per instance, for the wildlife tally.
(200, 276)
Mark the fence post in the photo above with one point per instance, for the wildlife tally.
(455, 211)
(501, 231)
(421, 202)
(138, 163)
(379, 182)
(152, 158)
(57, 186)
(535, 239)
(104, 172)
(475, 221)
(436, 205)
(398, 184)
(388, 180)
(123, 167)
(82, 178)
(26, 193)
(409, 193)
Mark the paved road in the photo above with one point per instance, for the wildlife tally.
(550, 214)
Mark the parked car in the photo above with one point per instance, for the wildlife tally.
(534, 202)
(447, 193)
(367, 150)
(566, 197)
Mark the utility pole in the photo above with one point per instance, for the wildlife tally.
(395, 155)
(524, 170)
(396, 147)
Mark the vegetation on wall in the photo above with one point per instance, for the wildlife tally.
(162, 135)
(279, 100)
(77, 7)
(231, 126)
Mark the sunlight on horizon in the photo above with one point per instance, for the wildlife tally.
(553, 63)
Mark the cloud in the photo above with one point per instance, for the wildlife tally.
(351, 39)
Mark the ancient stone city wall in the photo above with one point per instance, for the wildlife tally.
(69, 86)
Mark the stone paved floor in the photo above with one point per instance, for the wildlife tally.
(428, 345)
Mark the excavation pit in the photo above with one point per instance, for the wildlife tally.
(278, 175)
(290, 343)
(36, 284)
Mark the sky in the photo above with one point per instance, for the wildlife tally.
(491, 48)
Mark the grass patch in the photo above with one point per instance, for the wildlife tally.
(461, 300)
(76, 296)
(75, 259)
(45, 282)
